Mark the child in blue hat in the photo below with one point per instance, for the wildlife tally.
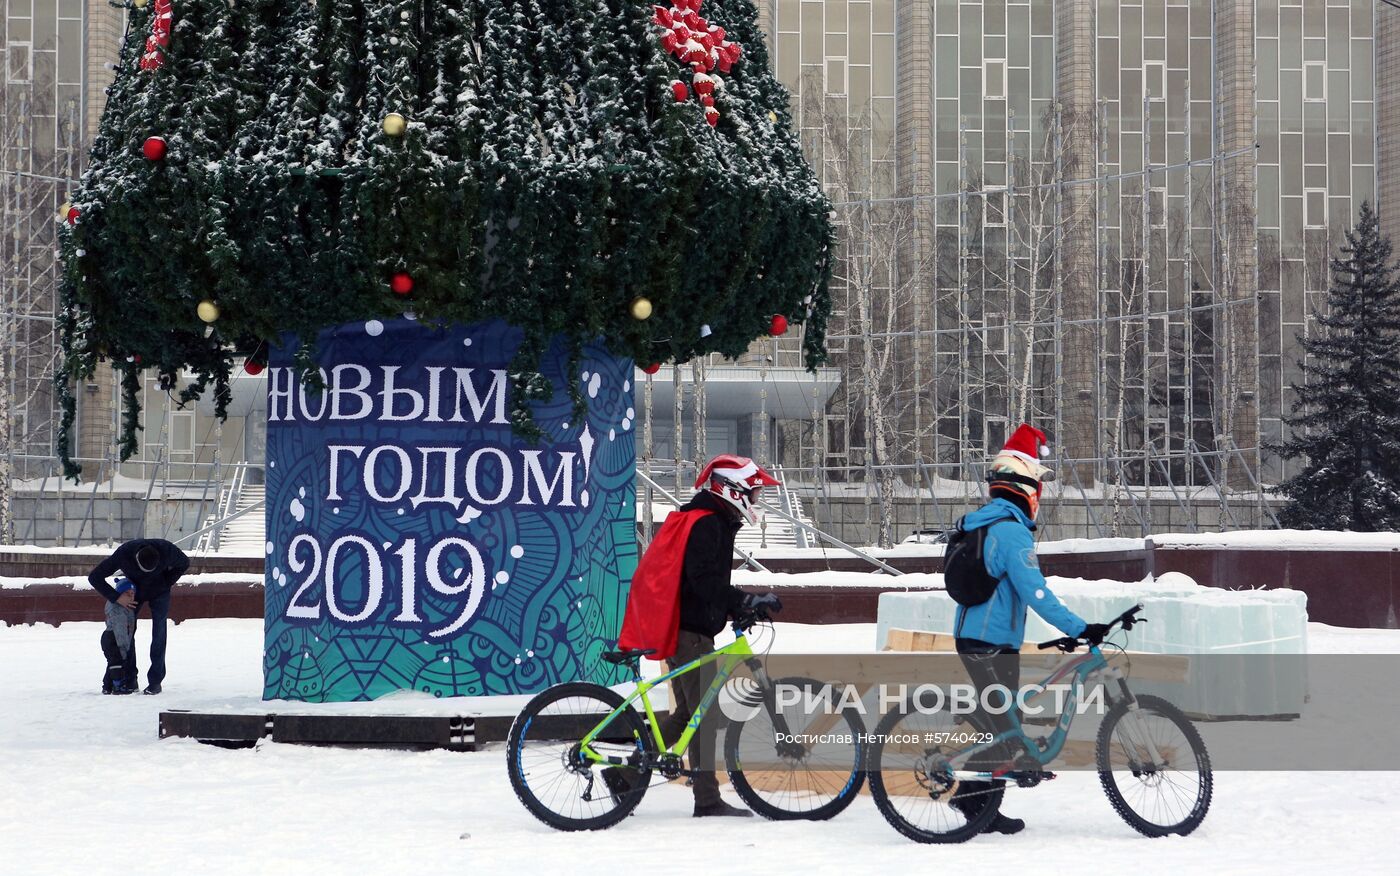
(116, 642)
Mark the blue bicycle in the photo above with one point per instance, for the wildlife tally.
(928, 782)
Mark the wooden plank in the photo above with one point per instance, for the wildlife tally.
(899, 640)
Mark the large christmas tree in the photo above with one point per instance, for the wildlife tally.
(1346, 421)
(591, 168)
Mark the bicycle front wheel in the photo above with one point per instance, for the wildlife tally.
(1157, 795)
(549, 773)
(810, 769)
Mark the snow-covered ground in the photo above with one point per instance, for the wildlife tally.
(87, 788)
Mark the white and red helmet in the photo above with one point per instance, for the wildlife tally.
(737, 480)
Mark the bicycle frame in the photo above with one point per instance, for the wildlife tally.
(729, 657)
(1082, 668)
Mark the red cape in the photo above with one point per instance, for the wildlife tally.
(653, 618)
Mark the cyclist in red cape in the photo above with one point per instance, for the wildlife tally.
(681, 598)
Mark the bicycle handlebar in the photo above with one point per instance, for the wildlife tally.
(751, 617)
(1127, 620)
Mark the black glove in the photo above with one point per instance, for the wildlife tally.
(765, 603)
(1094, 633)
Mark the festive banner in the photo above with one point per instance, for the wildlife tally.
(416, 542)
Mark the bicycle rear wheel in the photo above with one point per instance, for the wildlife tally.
(913, 785)
(1161, 796)
(813, 777)
(555, 783)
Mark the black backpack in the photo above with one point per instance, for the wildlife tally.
(964, 571)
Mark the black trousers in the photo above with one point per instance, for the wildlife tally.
(989, 665)
(686, 692)
(116, 663)
(160, 614)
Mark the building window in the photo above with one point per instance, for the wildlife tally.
(1315, 208)
(21, 62)
(181, 431)
(1154, 75)
(994, 78)
(1315, 81)
(835, 75)
(994, 207)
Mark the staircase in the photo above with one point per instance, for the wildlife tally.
(244, 535)
(773, 531)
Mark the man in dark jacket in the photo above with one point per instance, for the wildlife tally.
(707, 601)
(153, 565)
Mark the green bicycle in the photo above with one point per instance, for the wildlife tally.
(1150, 759)
(581, 756)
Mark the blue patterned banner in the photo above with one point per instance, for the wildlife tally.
(415, 542)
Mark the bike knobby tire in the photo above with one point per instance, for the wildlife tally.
(1192, 797)
(808, 782)
(545, 771)
(907, 782)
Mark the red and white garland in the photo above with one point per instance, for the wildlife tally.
(699, 45)
(159, 40)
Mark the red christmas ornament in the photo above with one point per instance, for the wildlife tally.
(718, 33)
(652, 368)
(712, 116)
(159, 40)
(778, 326)
(154, 148)
(681, 93)
(704, 84)
(254, 367)
(401, 283)
(73, 214)
(662, 16)
(708, 100)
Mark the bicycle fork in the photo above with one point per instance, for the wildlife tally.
(1131, 726)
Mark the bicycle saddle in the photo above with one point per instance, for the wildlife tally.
(627, 656)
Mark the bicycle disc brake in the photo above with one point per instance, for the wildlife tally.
(937, 781)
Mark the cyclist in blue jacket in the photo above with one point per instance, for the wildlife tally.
(989, 636)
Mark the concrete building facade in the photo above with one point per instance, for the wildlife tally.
(1119, 214)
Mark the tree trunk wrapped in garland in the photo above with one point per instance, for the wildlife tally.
(533, 160)
(1346, 421)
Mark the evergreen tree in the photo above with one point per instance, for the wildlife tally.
(549, 172)
(1346, 420)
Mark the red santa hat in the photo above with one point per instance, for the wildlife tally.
(1028, 443)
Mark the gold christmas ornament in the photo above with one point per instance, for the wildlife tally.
(207, 310)
(641, 308)
(395, 125)
(772, 117)
(139, 4)
(63, 210)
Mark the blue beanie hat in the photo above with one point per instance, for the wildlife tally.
(124, 585)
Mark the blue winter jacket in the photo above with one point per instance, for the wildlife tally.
(1009, 553)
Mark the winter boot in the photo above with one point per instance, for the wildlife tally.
(151, 690)
(1003, 824)
(120, 688)
(720, 808)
